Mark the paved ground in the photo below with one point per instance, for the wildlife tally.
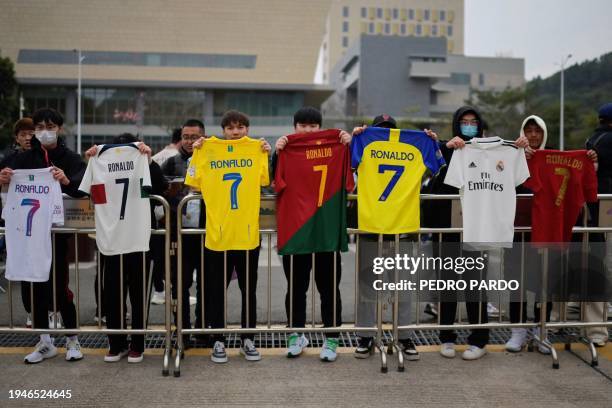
(498, 380)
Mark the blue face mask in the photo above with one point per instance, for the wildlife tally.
(469, 130)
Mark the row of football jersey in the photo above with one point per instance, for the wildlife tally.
(312, 179)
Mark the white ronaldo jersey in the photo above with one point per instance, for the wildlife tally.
(33, 203)
(118, 180)
(486, 172)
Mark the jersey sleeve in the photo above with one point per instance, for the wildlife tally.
(264, 171)
(86, 182)
(432, 156)
(349, 182)
(589, 182)
(533, 183)
(357, 146)
(521, 169)
(279, 179)
(58, 205)
(193, 176)
(145, 172)
(454, 175)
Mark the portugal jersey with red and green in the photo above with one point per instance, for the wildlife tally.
(312, 178)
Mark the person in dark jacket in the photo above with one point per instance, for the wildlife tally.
(49, 150)
(467, 124)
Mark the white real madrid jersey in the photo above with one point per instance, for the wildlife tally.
(33, 203)
(118, 180)
(486, 172)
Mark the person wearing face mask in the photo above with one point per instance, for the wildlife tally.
(49, 150)
(466, 125)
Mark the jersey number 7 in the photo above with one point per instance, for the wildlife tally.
(35, 204)
(236, 178)
(399, 170)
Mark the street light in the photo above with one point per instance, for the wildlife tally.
(79, 63)
(561, 135)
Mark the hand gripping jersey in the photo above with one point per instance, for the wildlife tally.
(390, 164)
(230, 173)
(561, 182)
(118, 180)
(34, 202)
(487, 172)
(312, 179)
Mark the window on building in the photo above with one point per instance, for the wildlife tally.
(345, 11)
(345, 26)
(364, 12)
(418, 29)
(426, 15)
(345, 41)
(449, 30)
(379, 13)
(481, 79)
(403, 29)
(434, 30)
(442, 15)
(411, 14)
(371, 28)
(395, 14)
(459, 78)
(387, 28)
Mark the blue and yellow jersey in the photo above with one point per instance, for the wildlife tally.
(390, 164)
(230, 173)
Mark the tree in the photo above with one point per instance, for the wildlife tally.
(8, 99)
(501, 110)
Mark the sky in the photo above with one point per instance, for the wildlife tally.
(543, 32)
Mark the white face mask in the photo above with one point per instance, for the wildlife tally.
(46, 137)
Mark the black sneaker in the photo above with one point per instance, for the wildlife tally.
(430, 309)
(409, 350)
(365, 347)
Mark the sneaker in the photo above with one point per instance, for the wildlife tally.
(365, 347)
(431, 310)
(42, 351)
(249, 351)
(296, 344)
(103, 319)
(29, 321)
(159, 298)
(219, 355)
(473, 353)
(328, 352)
(541, 348)
(135, 356)
(448, 350)
(113, 356)
(492, 310)
(192, 300)
(409, 350)
(517, 341)
(52, 319)
(598, 342)
(73, 350)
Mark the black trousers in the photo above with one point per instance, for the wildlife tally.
(515, 312)
(215, 293)
(43, 291)
(158, 254)
(135, 280)
(476, 311)
(192, 251)
(324, 279)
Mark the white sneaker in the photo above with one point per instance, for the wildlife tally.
(42, 351)
(541, 348)
(103, 319)
(473, 353)
(249, 351)
(29, 321)
(517, 340)
(192, 300)
(73, 350)
(159, 298)
(218, 354)
(448, 350)
(296, 344)
(52, 318)
(492, 310)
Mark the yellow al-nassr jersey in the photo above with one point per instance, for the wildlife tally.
(390, 164)
(230, 173)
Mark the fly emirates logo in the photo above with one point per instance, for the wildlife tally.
(485, 183)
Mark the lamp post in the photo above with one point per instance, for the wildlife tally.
(79, 75)
(561, 133)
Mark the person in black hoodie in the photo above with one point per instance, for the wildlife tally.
(467, 124)
(49, 150)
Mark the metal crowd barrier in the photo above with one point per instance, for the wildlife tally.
(393, 347)
(75, 232)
